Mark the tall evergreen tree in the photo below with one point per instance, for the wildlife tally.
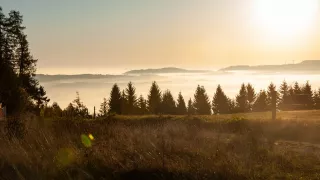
(307, 95)
(285, 95)
(181, 105)
(103, 108)
(242, 99)
(168, 104)
(80, 109)
(272, 88)
(191, 110)
(154, 99)
(251, 94)
(261, 102)
(124, 103)
(131, 98)
(142, 105)
(201, 102)
(220, 102)
(115, 100)
(317, 99)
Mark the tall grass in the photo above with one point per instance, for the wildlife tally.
(163, 147)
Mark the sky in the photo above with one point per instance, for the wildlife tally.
(109, 36)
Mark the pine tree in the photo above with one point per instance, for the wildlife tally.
(168, 105)
(261, 102)
(307, 95)
(285, 95)
(131, 98)
(251, 96)
(201, 102)
(191, 110)
(181, 105)
(142, 105)
(317, 99)
(154, 99)
(232, 106)
(103, 108)
(124, 103)
(242, 100)
(115, 100)
(70, 111)
(271, 89)
(220, 102)
(80, 109)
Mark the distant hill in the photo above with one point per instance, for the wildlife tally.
(164, 70)
(44, 77)
(308, 65)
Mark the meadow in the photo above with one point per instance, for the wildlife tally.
(237, 146)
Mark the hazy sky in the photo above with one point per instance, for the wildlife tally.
(87, 35)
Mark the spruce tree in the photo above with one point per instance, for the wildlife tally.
(201, 102)
(191, 110)
(307, 95)
(115, 100)
(317, 99)
(285, 96)
(124, 103)
(181, 105)
(142, 105)
(261, 102)
(154, 99)
(131, 98)
(220, 102)
(251, 96)
(80, 109)
(168, 105)
(103, 108)
(242, 99)
(271, 89)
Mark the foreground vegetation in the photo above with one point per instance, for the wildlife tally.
(165, 147)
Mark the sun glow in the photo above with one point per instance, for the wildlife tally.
(285, 18)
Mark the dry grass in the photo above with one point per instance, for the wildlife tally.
(167, 147)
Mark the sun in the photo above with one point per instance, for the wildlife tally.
(285, 18)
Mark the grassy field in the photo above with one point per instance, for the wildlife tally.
(241, 146)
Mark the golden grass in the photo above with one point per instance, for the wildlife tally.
(168, 147)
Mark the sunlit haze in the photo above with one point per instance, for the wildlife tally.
(114, 36)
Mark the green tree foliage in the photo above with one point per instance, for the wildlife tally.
(103, 108)
(261, 102)
(220, 102)
(307, 95)
(251, 95)
(272, 88)
(201, 101)
(131, 99)
(181, 105)
(168, 105)
(191, 110)
(18, 86)
(115, 100)
(142, 106)
(242, 99)
(154, 99)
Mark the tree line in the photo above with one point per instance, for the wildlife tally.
(19, 89)
(127, 102)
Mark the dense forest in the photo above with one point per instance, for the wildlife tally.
(19, 90)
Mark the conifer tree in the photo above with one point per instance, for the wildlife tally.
(142, 105)
(168, 104)
(232, 105)
(181, 105)
(220, 102)
(154, 99)
(115, 100)
(103, 108)
(271, 89)
(307, 95)
(201, 102)
(251, 96)
(285, 95)
(131, 98)
(124, 103)
(317, 99)
(242, 99)
(80, 109)
(261, 102)
(191, 110)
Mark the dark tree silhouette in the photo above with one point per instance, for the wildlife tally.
(242, 99)
(168, 105)
(201, 102)
(317, 99)
(261, 102)
(191, 110)
(115, 100)
(142, 105)
(251, 96)
(103, 108)
(220, 102)
(181, 105)
(124, 103)
(154, 99)
(131, 99)
(272, 88)
(80, 109)
(285, 96)
(307, 95)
